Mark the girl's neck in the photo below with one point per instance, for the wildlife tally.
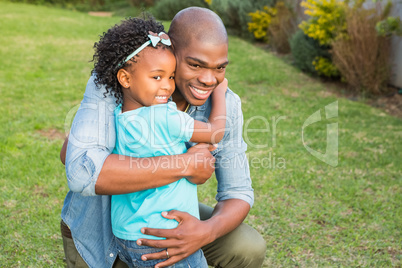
(129, 105)
(180, 101)
(178, 98)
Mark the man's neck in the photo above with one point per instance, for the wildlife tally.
(180, 101)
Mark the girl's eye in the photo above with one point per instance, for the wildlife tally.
(172, 77)
(157, 77)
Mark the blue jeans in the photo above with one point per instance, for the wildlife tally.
(131, 253)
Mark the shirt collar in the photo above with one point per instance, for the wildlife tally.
(192, 108)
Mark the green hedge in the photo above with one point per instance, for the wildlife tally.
(167, 9)
(304, 50)
(81, 5)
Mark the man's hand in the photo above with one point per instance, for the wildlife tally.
(189, 236)
(201, 163)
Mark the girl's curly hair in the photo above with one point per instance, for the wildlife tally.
(114, 47)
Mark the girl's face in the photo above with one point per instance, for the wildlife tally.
(150, 79)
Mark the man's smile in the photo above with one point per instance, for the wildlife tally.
(201, 93)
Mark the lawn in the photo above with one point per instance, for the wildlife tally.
(312, 214)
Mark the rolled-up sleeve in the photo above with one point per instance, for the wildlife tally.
(91, 140)
(232, 169)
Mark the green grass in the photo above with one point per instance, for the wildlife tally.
(311, 214)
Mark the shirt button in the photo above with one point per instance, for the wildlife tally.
(111, 255)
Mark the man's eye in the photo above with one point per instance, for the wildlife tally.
(221, 68)
(157, 77)
(195, 65)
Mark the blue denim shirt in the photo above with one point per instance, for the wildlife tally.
(91, 141)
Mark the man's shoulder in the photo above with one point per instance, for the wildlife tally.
(94, 90)
(231, 96)
(92, 87)
(233, 104)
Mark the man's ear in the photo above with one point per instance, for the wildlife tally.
(124, 78)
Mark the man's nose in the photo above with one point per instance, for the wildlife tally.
(207, 77)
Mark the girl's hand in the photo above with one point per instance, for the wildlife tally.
(222, 87)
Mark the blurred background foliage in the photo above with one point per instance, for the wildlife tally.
(313, 215)
(325, 38)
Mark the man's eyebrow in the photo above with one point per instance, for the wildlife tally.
(203, 63)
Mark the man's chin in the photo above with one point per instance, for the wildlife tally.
(196, 102)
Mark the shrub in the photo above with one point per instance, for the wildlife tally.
(260, 21)
(326, 23)
(141, 3)
(167, 9)
(282, 27)
(325, 67)
(234, 13)
(327, 19)
(305, 50)
(85, 5)
(62, 3)
(229, 17)
(362, 56)
(389, 26)
(121, 7)
(274, 25)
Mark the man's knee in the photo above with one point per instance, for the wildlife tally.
(250, 248)
(244, 247)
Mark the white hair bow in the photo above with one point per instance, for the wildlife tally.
(154, 39)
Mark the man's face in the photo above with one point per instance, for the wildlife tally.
(200, 68)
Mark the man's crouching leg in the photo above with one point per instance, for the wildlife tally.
(244, 247)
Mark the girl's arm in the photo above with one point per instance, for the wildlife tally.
(214, 129)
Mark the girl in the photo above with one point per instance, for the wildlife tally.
(135, 62)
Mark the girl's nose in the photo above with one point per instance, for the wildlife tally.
(168, 85)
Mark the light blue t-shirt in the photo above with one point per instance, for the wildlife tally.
(146, 132)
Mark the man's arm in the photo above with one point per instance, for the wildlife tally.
(91, 167)
(135, 174)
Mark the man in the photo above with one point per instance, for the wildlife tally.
(200, 43)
